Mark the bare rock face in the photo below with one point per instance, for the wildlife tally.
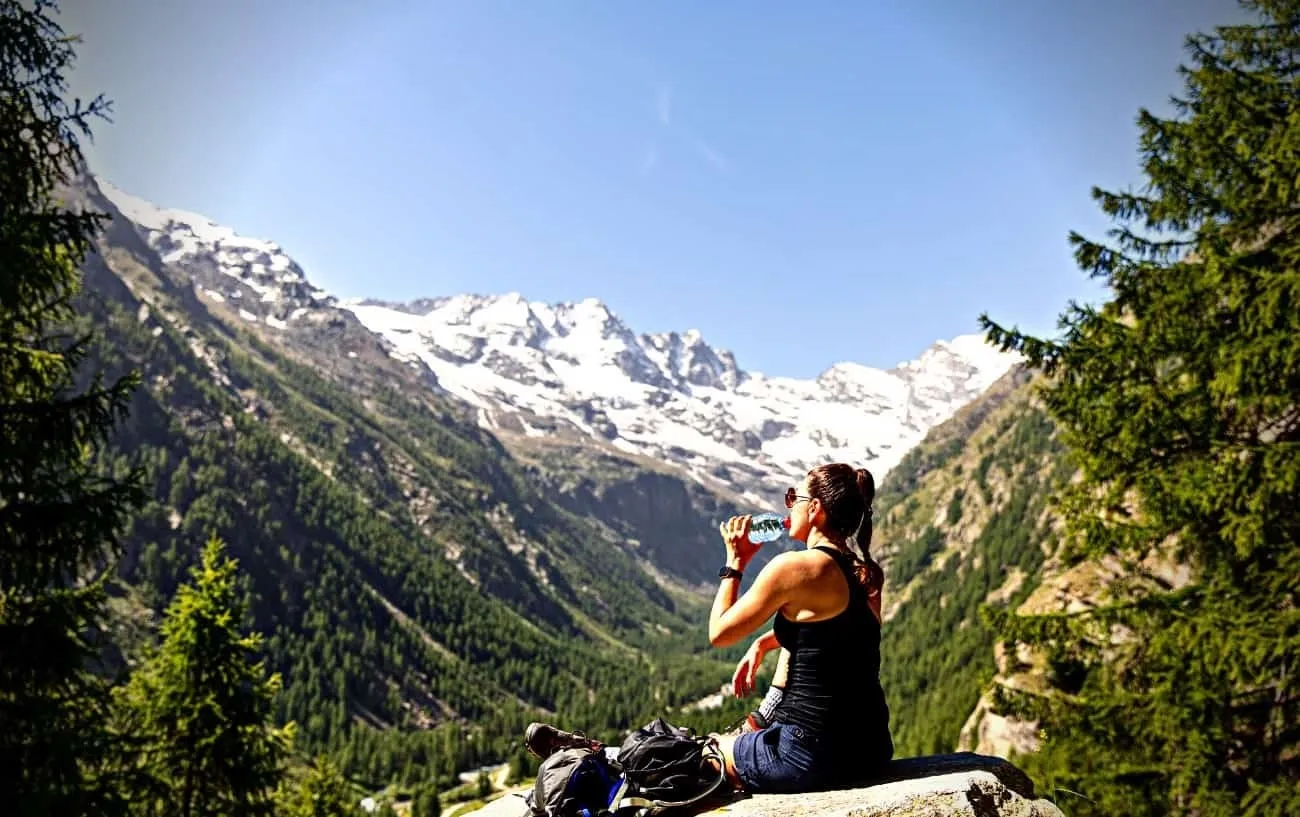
(957, 785)
(988, 732)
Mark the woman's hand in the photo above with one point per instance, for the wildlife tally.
(735, 534)
(746, 675)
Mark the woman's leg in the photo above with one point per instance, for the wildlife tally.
(726, 743)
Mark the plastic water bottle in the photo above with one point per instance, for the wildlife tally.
(767, 527)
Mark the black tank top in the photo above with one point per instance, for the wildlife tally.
(833, 688)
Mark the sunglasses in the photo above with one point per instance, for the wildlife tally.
(791, 496)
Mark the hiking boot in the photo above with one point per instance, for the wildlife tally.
(543, 740)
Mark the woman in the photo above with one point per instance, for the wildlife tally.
(831, 726)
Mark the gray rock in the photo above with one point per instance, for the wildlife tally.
(958, 785)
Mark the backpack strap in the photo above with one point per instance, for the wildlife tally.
(623, 799)
(722, 778)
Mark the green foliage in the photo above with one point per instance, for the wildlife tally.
(938, 651)
(483, 784)
(202, 705)
(521, 767)
(60, 510)
(322, 792)
(914, 555)
(953, 515)
(426, 802)
(378, 635)
(1179, 398)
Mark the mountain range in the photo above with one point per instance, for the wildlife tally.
(468, 511)
(529, 369)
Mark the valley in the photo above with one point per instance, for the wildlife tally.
(267, 550)
(436, 565)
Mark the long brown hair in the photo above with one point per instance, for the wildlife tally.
(847, 493)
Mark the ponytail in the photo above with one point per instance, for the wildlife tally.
(868, 572)
(847, 493)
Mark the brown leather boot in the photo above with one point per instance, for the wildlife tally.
(543, 740)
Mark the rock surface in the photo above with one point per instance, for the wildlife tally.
(957, 785)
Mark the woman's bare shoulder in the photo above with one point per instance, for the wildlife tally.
(805, 564)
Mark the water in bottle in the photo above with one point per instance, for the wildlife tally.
(767, 527)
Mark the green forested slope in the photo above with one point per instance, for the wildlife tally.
(404, 569)
(963, 525)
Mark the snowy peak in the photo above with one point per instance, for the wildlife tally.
(568, 336)
(257, 274)
(689, 359)
(575, 368)
(671, 395)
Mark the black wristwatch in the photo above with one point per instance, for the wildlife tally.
(728, 572)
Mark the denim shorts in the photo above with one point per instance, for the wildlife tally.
(780, 758)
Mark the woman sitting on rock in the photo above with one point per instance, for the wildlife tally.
(831, 725)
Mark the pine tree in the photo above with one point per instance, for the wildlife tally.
(59, 511)
(427, 802)
(322, 792)
(203, 702)
(518, 768)
(1180, 397)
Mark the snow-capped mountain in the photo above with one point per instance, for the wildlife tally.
(256, 277)
(536, 369)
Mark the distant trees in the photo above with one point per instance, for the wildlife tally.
(190, 733)
(60, 510)
(426, 802)
(322, 792)
(1179, 398)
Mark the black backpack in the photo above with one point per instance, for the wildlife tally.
(659, 767)
(575, 783)
(670, 766)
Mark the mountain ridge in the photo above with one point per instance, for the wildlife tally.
(575, 369)
(566, 536)
(420, 594)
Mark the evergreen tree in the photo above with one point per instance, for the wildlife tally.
(202, 703)
(518, 768)
(322, 792)
(483, 785)
(60, 513)
(1179, 398)
(427, 802)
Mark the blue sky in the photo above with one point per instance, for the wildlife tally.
(805, 183)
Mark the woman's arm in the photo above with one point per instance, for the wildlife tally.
(742, 680)
(765, 643)
(732, 618)
(782, 669)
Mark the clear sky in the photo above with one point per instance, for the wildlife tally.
(805, 183)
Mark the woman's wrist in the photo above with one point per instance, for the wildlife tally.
(736, 563)
(767, 709)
